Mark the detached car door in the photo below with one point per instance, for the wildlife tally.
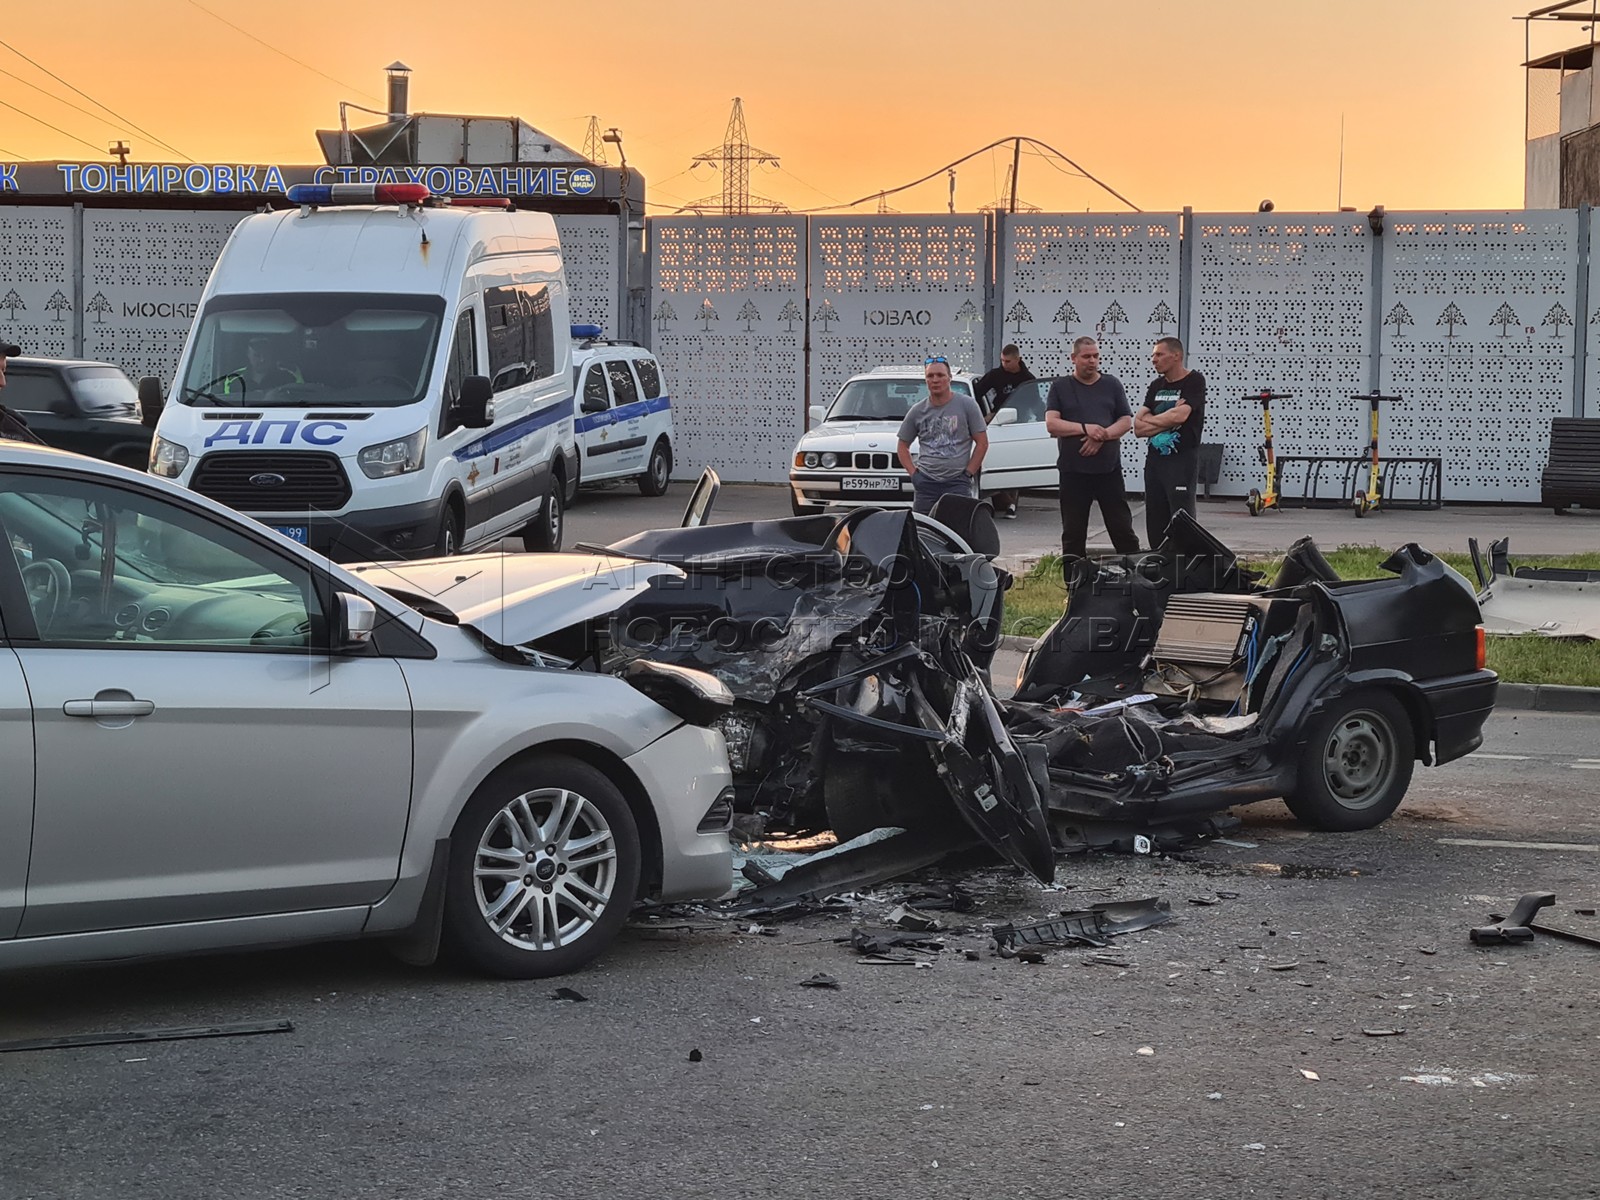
(197, 755)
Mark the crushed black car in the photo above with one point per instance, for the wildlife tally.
(1180, 683)
(855, 652)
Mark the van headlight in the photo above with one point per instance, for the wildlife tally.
(398, 457)
(830, 460)
(167, 459)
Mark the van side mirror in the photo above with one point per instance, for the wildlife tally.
(151, 401)
(354, 618)
(817, 413)
(476, 404)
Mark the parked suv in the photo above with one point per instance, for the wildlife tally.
(87, 407)
(846, 459)
(623, 427)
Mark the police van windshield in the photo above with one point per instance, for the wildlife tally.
(312, 349)
(882, 399)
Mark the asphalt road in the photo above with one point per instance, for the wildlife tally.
(969, 1078)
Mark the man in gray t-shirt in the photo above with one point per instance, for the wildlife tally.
(951, 440)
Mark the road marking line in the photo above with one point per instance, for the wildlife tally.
(1585, 766)
(1503, 757)
(1519, 845)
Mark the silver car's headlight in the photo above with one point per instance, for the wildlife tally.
(398, 457)
(830, 460)
(167, 459)
(811, 458)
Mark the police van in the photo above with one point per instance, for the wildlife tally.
(623, 425)
(379, 374)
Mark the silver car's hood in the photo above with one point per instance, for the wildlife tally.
(515, 599)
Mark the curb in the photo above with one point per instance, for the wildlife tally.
(1543, 697)
(1518, 697)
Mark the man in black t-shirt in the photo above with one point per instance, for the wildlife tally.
(1172, 418)
(1088, 412)
(999, 383)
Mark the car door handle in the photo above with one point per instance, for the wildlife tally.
(109, 708)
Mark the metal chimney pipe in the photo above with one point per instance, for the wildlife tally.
(399, 89)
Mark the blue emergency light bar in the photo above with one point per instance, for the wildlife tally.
(358, 193)
(587, 331)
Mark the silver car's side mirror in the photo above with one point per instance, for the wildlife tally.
(817, 413)
(1004, 416)
(356, 618)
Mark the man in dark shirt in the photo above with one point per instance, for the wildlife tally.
(1172, 417)
(992, 392)
(1089, 413)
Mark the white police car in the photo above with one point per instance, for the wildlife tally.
(623, 425)
(847, 458)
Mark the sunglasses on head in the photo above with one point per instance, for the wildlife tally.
(938, 358)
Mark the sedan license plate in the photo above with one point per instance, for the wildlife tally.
(869, 483)
(295, 533)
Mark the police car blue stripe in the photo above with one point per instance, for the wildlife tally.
(517, 430)
(624, 412)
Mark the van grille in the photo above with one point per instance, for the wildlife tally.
(312, 481)
(871, 462)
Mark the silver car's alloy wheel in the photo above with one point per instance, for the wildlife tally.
(545, 869)
(1359, 758)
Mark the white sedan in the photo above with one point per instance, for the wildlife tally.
(847, 458)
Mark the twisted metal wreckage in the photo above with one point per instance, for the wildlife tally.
(854, 653)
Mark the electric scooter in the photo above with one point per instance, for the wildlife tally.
(1257, 501)
(1371, 500)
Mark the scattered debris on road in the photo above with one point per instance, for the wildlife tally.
(178, 1034)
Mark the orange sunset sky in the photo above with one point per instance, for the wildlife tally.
(1216, 104)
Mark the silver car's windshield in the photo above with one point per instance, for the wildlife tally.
(312, 349)
(886, 399)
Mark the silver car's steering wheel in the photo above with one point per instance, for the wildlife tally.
(49, 588)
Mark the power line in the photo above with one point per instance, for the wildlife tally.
(284, 53)
(51, 95)
(967, 158)
(129, 124)
(812, 186)
(9, 153)
(47, 125)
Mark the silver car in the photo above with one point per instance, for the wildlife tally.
(215, 739)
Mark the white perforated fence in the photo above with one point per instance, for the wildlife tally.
(728, 322)
(591, 247)
(37, 269)
(1282, 302)
(895, 289)
(1479, 334)
(143, 272)
(1482, 320)
(1115, 279)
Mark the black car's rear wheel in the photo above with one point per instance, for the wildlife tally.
(1356, 764)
